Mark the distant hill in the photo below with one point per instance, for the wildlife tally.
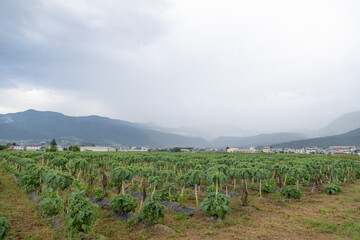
(261, 139)
(210, 131)
(351, 138)
(37, 126)
(343, 124)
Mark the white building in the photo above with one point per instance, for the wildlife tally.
(300, 150)
(34, 147)
(134, 149)
(97, 149)
(342, 149)
(59, 148)
(267, 149)
(234, 150)
(18, 148)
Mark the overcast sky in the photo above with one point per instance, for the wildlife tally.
(260, 65)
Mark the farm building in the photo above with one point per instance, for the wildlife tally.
(267, 149)
(18, 148)
(34, 147)
(97, 149)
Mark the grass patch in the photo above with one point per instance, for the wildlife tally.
(181, 216)
(350, 228)
(323, 226)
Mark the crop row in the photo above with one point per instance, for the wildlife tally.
(65, 181)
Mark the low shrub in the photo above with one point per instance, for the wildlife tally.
(82, 213)
(293, 192)
(123, 203)
(51, 204)
(333, 188)
(216, 205)
(305, 182)
(268, 186)
(30, 182)
(152, 209)
(99, 194)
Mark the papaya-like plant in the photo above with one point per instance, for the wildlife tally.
(152, 210)
(119, 175)
(169, 191)
(216, 205)
(59, 162)
(56, 179)
(29, 181)
(293, 191)
(194, 177)
(100, 194)
(156, 182)
(51, 204)
(81, 212)
(260, 174)
(123, 203)
(245, 174)
(216, 178)
(269, 186)
(234, 173)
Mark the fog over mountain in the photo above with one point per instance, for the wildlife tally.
(33, 126)
(195, 67)
(36, 126)
(343, 124)
(351, 138)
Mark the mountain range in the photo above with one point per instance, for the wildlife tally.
(33, 126)
(36, 126)
(351, 138)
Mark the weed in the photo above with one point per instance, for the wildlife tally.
(219, 224)
(322, 211)
(181, 216)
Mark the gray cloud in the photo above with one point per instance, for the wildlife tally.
(260, 65)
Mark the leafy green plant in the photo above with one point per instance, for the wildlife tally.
(253, 186)
(216, 178)
(293, 192)
(29, 181)
(82, 213)
(269, 186)
(4, 227)
(182, 199)
(169, 191)
(59, 162)
(290, 180)
(51, 204)
(118, 177)
(333, 188)
(56, 179)
(99, 194)
(194, 178)
(216, 205)
(152, 210)
(123, 203)
(305, 182)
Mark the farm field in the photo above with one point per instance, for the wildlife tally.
(69, 195)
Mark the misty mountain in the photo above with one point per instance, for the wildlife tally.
(210, 131)
(37, 126)
(343, 124)
(261, 139)
(351, 138)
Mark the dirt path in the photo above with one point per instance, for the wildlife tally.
(21, 212)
